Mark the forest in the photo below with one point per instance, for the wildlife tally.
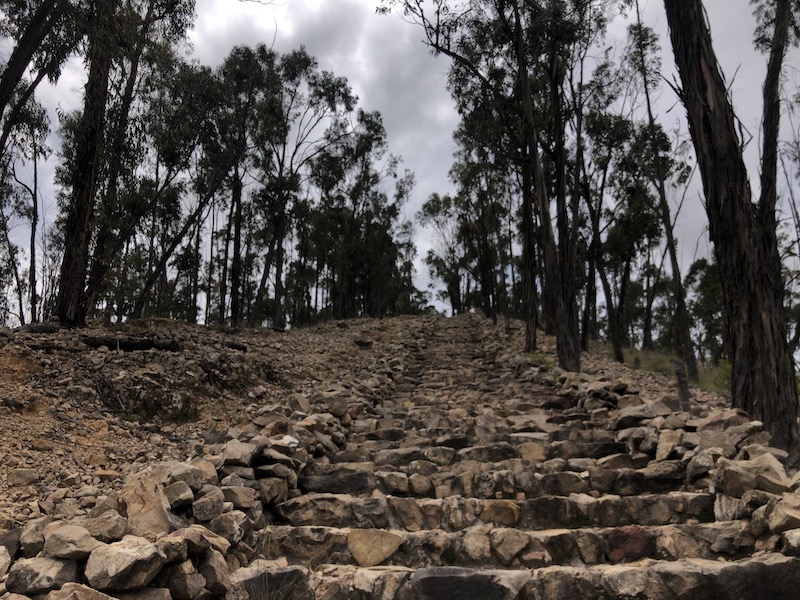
(260, 194)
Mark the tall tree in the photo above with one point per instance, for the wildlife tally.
(71, 304)
(743, 231)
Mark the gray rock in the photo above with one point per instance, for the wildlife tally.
(208, 506)
(77, 591)
(241, 497)
(239, 453)
(32, 576)
(108, 527)
(179, 494)
(174, 548)
(126, 565)
(214, 569)
(145, 594)
(69, 542)
(182, 580)
(32, 538)
(5, 561)
(274, 490)
(199, 539)
(337, 480)
(190, 474)
(230, 525)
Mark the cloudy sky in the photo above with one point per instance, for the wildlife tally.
(392, 71)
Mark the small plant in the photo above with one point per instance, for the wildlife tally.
(542, 359)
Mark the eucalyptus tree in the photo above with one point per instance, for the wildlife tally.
(743, 230)
(446, 261)
(306, 104)
(71, 302)
(147, 30)
(364, 254)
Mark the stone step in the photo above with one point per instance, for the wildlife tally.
(500, 547)
(764, 576)
(455, 513)
(514, 478)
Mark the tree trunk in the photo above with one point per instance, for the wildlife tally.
(744, 238)
(71, 304)
(236, 259)
(105, 247)
(567, 347)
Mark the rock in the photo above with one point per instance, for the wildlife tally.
(126, 565)
(77, 591)
(69, 542)
(241, 497)
(393, 482)
(239, 453)
(668, 440)
(508, 543)
(22, 477)
(32, 537)
(147, 508)
(489, 453)
(786, 514)
(629, 543)
(108, 527)
(10, 541)
(475, 543)
(370, 547)
(199, 539)
(179, 494)
(191, 474)
(182, 580)
(763, 576)
(214, 569)
(274, 490)
(230, 525)
(337, 481)
(791, 542)
(505, 513)
(5, 561)
(209, 506)
(32, 576)
(765, 472)
(633, 415)
(174, 548)
(145, 594)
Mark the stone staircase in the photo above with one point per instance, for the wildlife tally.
(451, 488)
(446, 465)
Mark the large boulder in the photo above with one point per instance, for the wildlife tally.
(69, 542)
(32, 576)
(126, 565)
(147, 508)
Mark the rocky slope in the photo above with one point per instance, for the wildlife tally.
(406, 458)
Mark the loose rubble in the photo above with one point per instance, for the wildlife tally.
(413, 458)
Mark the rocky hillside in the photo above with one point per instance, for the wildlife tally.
(412, 458)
